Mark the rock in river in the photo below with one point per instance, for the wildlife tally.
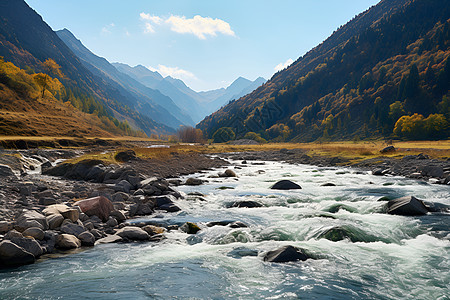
(133, 233)
(285, 185)
(286, 254)
(407, 206)
(13, 255)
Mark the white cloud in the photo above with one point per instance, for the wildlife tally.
(282, 66)
(201, 27)
(174, 72)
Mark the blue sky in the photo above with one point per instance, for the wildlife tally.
(206, 43)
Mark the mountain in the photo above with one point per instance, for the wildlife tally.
(239, 88)
(386, 73)
(149, 102)
(27, 41)
(197, 104)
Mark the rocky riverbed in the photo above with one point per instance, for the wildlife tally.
(48, 207)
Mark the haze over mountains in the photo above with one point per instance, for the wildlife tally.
(386, 73)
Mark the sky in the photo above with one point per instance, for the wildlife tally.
(206, 43)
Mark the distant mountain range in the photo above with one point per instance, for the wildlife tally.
(197, 104)
(386, 73)
(143, 98)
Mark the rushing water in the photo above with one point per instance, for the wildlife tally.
(396, 257)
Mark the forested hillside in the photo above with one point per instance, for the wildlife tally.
(384, 74)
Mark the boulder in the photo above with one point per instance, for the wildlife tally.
(109, 239)
(54, 221)
(328, 184)
(98, 206)
(432, 171)
(123, 186)
(388, 149)
(13, 255)
(29, 245)
(112, 222)
(6, 171)
(34, 232)
(193, 181)
(228, 173)
(86, 238)
(73, 229)
(67, 241)
(170, 207)
(31, 218)
(286, 254)
(125, 156)
(190, 228)
(12, 234)
(133, 233)
(247, 204)
(152, 229)
(407, 206)
(285, 185)
(118, 215)
(5, 226)
(67, 212)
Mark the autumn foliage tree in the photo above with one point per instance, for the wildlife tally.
(188, 134)
(49, 66)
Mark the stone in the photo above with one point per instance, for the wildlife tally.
(73, 229)
(12, 234)
(123, 186)
(97, 233)
(118, 215)
(31, 218)
(29, 245)
(67, 241)
(13, 255)
(45, 166)
(98, 206)
(25, 190)
(170, 207)
(54, 221)
(67, 212)
(86, 238)
(247, 204)
(228, 173)
(139, 192)
(286, 254)
(125, 156)
(193, 181)
(432, 171)
(147, 181)
(133, 233)
(109, 239)
(112, 222)
(161, 200)
(6, 171)
(88, 225)
(285, 185)
(120, 196)
(190, 228)
(34, 232)
(152, 230)
(388, 149)
(47, 201)
(378, 171)
(328, 184)
(407, 206)
(5, 226)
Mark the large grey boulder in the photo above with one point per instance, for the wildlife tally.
(34, 232)
(285, 185)
(286, 254)
(73, 229)
(67, 241)
(31, 218)
(133, 233)
(193, 181)
(54, 221)
(86, 238)
(13, 255)
(29, 245)
(407, 206)
(98, 206)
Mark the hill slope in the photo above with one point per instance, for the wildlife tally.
(150, 102)
(388, 63)
(27, 41)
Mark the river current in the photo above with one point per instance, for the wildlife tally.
(387, 256)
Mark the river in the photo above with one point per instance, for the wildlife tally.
(391, 257)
